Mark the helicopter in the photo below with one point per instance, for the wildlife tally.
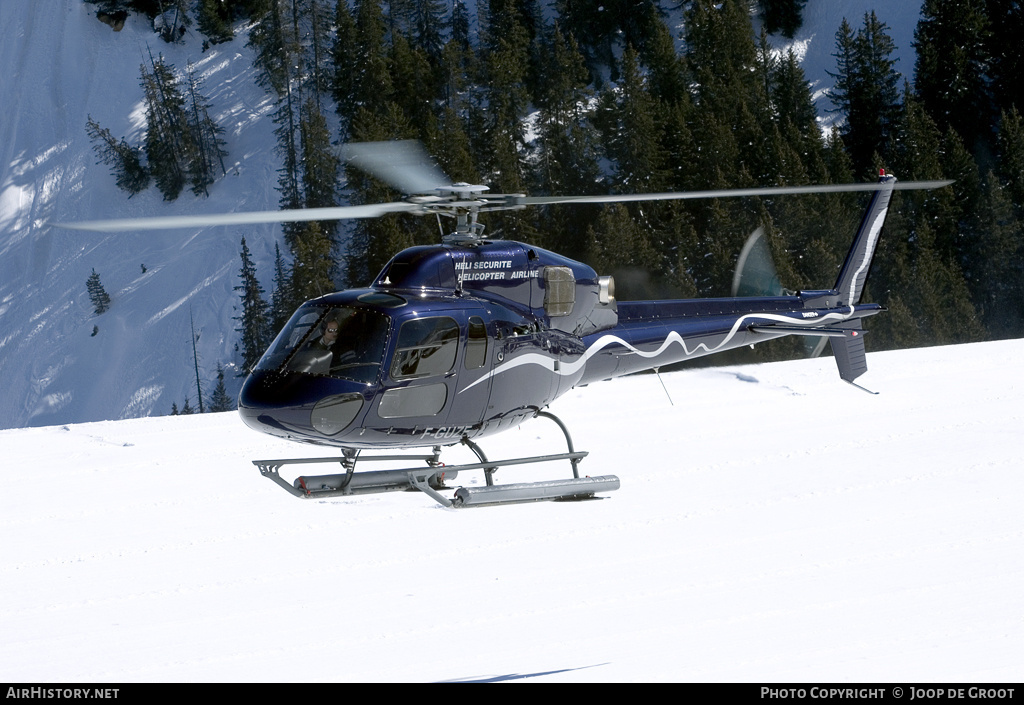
(454, 342)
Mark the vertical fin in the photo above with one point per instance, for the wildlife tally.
(849, 351)
(854, 273)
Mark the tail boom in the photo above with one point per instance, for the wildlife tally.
(638, 344)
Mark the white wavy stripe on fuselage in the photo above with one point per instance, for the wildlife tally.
(569, 368)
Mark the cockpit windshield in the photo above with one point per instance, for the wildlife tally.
(340, 341)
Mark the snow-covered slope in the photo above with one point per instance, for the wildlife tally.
(63, 65)
(60, 66)
(774, 524)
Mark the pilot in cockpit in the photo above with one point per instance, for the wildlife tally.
(347, 343)
(339, 338)
(330, 337)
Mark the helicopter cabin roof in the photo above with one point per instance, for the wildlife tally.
(505, 269)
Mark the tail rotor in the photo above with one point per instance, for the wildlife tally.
(757, 275)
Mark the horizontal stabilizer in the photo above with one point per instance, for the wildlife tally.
(795, 330)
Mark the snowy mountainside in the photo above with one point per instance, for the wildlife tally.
(63, 65)
(66, 65)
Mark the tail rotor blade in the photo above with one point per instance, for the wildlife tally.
(756, 275)
(755, 270)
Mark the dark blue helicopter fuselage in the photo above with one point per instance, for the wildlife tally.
(465, 341)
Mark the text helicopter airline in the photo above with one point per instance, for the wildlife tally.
(468, 338)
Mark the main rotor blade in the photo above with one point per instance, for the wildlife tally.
(202, 221)
(403, 163)
(727, 193)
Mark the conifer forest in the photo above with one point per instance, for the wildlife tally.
(602, 96)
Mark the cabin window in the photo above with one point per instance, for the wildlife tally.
(406, 402)
(559, 291)
(476, 344)
(426, 347)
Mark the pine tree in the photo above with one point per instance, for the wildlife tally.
(782, 16)
(668, 73)
(602, 26)
(375, 240)
(316, 30)
(866, 90)
(373, 88)
(460, 24)
(214, 20)
(1010, 165)
(939, 296)
(617, 243)
(923, 152)
(312, 266)
(953, 69)
(414, 83)
(345, 63)
(837, 160)
(282, 300)
(791, 99)
(319, 163)
(166, 127)
(1000, 232)
(502, 143)
(97, 294)
(723, 56)
(506, 67)
(183, 144)
(731, 93)
(1006, 20)
(587, 20)
(566, 145)
(125, 161)
(254, 319)
(176, 19)
(205, 147)
(429, 26)
(220, 400)
(566, 150)
(954, 211)
(449, 141)
(171, 138)
(925, 255)
(274, 45)
(631, 132)
(289, 180)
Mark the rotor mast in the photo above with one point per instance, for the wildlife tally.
(464, 202)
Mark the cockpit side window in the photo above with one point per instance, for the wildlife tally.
(476, 344)
(426, 347)
(291, 336)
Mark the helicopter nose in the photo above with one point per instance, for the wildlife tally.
(298, 406)
(332, 415)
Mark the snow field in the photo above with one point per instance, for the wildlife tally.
(774, 524)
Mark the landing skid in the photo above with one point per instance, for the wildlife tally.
(431, 479)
